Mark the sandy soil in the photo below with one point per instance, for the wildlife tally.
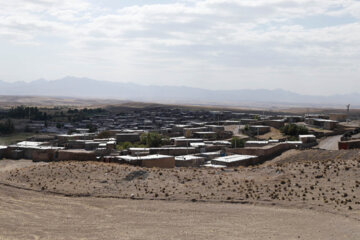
(326, 181)
(32, 215)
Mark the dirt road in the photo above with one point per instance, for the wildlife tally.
(330, 143)
(32, 215)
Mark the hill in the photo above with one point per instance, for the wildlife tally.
(89, 88)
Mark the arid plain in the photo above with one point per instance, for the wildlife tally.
(311, 194)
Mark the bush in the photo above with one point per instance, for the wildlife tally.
(294, 130)
(237, 142)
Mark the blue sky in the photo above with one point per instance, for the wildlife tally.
(305, 46)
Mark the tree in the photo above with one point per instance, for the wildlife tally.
(7, 127)
(104, 134)
(151, 139)
(294, 130)
(237, 142)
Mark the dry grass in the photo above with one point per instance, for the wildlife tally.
(313, 179)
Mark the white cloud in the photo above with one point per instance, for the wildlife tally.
(231, 36)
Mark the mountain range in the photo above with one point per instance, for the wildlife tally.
(89, 88)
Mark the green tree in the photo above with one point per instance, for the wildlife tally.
(294, 130)
(7, 127)
(237, 142)
(151, 139)
(104, 134)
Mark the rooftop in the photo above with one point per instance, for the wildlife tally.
(187, 157)
(234, 158)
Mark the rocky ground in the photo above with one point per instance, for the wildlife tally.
(326, 181)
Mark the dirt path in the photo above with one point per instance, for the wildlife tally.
(330, 143)
(31, 215)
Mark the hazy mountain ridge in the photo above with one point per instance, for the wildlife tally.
(84, 87)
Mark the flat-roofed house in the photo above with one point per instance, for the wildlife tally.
(259, 129)
(128, 137)
(305, 139)
(2, 151)
(189, 161)
(156, 160)
(235, 160)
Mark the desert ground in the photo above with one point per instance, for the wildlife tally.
(312, 194)
(33, 215)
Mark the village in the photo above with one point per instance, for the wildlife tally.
(164, 137)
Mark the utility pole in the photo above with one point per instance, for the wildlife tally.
(347, 112)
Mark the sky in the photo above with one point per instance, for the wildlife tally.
(304, 46)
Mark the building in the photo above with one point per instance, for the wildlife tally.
(127, 137)
(156, 160)
(339, 117)
(259, 129)
(322, 123)
(275, 123)
(263, 153)
(2, 151)
(350, 144)
(235, 160)
(184, 142)
(189, 161)
(306, 139)
(205, 135)
(256, 143)
(75, 155)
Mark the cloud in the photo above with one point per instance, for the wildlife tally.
(227, 35)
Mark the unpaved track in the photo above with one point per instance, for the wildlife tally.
(330, 143)
(33, 215)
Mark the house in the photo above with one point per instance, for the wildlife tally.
(174, 151)
(263, 153)
(275, 123)
(45, 154)
(259, 129)
(156, 160)
(189, 132)
(75, 155)
(215, 128)
(205, 135)
(235, 160)
(210, 155)
(306, 139)
(2, 151)
(350, 144)
(189, 161)
(256, 143)
(184, 142)
(339, 117)
(322, 123)
(127, 137)
(139, 151)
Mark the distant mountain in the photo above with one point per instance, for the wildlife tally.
(89, 88)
